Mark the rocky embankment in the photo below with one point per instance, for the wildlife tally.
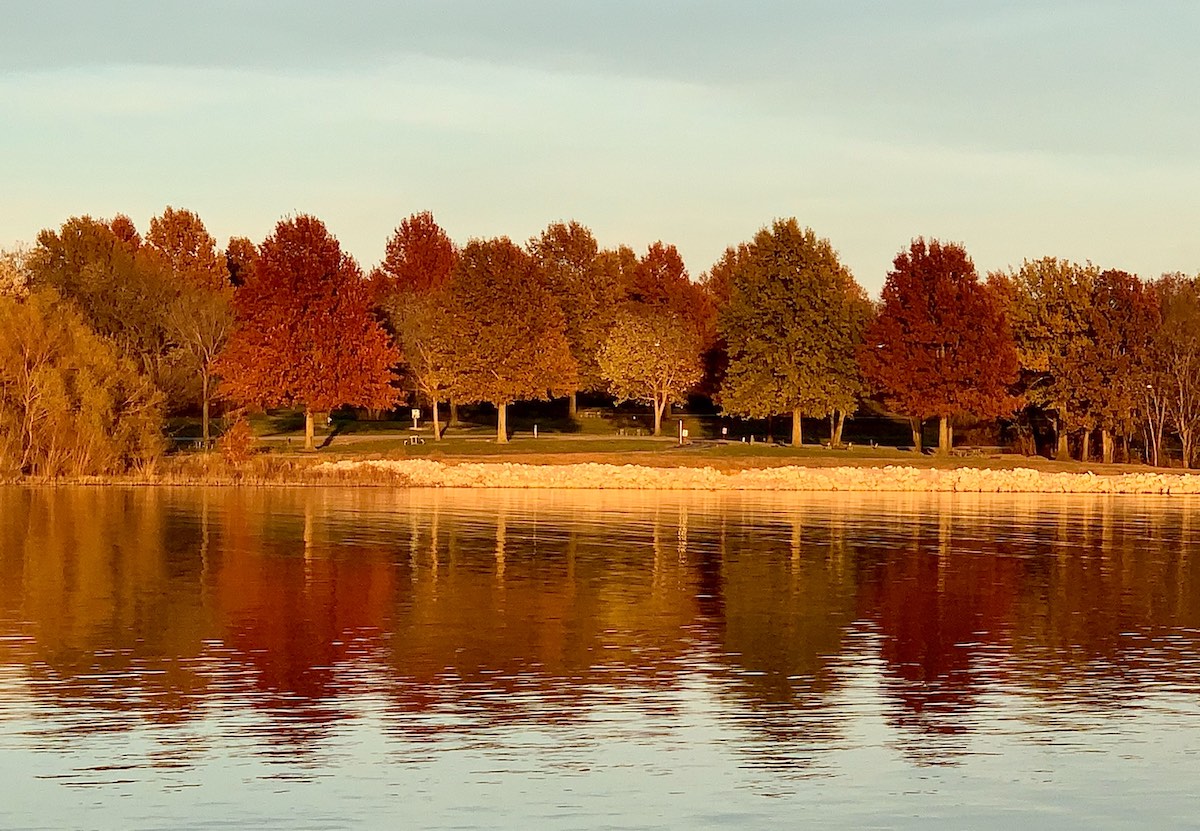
(892, 478)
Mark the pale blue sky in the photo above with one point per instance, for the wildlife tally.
(1022, 129)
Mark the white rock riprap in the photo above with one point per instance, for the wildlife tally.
(892, 478)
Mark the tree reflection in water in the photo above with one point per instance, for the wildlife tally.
(289, 612)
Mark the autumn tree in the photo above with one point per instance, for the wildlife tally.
(419, 258)
(568, 264)
(70, 402)
(240, 257)
(14, 272)
(420, 323)
(201, 321)
(122, 290)
(660, 281)
(190, 253)
(417, 264)
(940, 345)
(651, 355)
(1175, 366)
(507, 330)
(793, 323)
(1123, 317)
(304, 333)
(199, 316)
(1046, 302)
(717, 283)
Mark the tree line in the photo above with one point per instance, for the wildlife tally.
(103, 333)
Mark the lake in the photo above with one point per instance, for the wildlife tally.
(375, 658)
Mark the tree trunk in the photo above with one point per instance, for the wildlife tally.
(797, 440)
(1085, 450)
(572, 406)
(308, 429)
(1185, 439)
(204, 415)
(453, 413)
(1063, 452)
(437, 425)
(915, 423)
(658, 414)
(945, 436)
(501, 423)
(1106, 446)
(839, 421)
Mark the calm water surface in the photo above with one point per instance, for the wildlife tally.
(370, 658)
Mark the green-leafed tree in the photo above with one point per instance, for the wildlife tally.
(506, 331)
(568, 264)
(1046, 303)
(420, 323)
(651, 355)
(70, 402)
(792, 325)
(940, 345)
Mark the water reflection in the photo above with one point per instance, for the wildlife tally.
(274, 619)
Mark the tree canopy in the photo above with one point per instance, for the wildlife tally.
(508, 330)
(940, 345)
(650, 355)
(305, 334)
(70, 402)
(419, 258)
(568, 264)
(792, 325)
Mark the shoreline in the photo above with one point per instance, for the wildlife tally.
(877, 478)
(850, 479)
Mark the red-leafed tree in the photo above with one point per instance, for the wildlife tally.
(660, 281)
(940, 346)
(305, 335)
(507, 340)
(419, 258)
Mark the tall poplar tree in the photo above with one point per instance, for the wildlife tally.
(304, 333)
(508, 341)
(940, 346)
(792, 325)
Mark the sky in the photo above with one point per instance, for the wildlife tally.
(1020, 129)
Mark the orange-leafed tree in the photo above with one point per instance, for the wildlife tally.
(569, 266)
(507, 331)
(940, 346)
(199, 316)
(304, 333)
(189, 252)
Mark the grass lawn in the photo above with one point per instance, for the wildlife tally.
(618, 441)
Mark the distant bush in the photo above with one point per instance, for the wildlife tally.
(237, 442)
(70, 403)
